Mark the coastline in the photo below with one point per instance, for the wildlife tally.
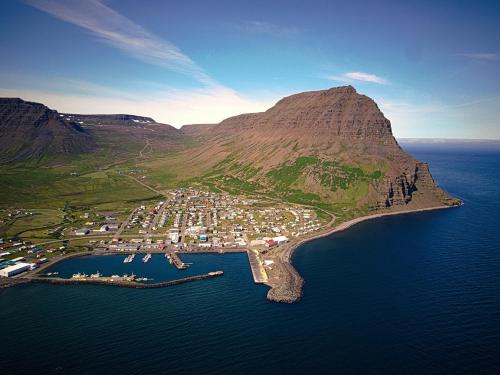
(285, 283)
(287, 286)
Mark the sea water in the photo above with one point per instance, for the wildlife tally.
(410, 294)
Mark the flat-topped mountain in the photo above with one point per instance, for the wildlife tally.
(331, 148)
(113, 119)
(31, 130)
(331, 145)
(316, 118)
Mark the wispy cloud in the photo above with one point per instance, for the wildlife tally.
(480, 56)
(357, 76)
(120, 32)
(266, 28)
(212, 102)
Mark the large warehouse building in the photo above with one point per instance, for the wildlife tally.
(14, 270)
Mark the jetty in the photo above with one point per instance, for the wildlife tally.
(124, 282)
(258, 271)
(173, 258)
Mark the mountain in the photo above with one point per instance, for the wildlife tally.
(115, 119)
(31, 131)
(126, 134)
(195, 130)
(332, 147)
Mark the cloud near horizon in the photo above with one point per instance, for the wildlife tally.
(358, 76)
(171, 106)
(481, 56)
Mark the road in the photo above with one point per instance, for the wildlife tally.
(146, 185)
(125, 223)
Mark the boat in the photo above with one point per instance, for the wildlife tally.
(79, 276)
(129, 259)
(96, 275)
(146, 258)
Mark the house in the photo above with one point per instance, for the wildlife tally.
(280, 239)
(82, 231)
(270, 243)
(257, 243)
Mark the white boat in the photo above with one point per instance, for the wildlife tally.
(129, 259)
(79, 276)
(146, 258)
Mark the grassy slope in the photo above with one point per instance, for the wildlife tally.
(102, 183)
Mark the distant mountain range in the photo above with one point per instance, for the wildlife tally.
(449, 140)
(330, 147)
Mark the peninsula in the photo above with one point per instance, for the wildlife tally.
(315, 163)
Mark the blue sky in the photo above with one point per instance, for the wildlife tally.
(432, 66)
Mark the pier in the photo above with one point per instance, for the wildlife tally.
(124, 282)
(258, 271)
(175, 260)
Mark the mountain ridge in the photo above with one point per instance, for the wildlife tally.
(332, 148)
(30, 130)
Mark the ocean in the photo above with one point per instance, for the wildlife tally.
(409, 294)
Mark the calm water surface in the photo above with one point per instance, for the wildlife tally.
(417, 294)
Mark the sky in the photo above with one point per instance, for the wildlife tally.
(433, 67)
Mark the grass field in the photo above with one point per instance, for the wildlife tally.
(101, 181)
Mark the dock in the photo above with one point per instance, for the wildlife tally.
(258, 271)
(176, 261)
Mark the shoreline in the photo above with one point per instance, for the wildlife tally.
(285, 283)
(287, 287)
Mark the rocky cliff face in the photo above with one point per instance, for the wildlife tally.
(316, 118)
(31, 130)
(348, 138)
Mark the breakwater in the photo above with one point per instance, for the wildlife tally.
(286, 283)
(125, 283)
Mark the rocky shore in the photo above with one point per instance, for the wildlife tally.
(285, 282)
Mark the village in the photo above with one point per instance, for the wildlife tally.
(186, 220)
